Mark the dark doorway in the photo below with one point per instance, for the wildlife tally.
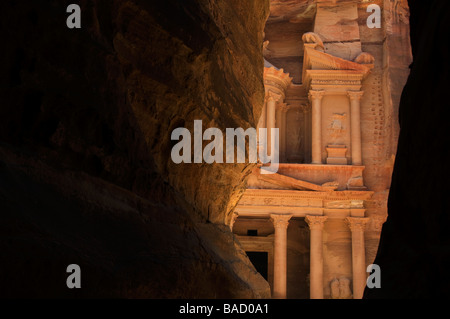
(260, 261)
(252, 232)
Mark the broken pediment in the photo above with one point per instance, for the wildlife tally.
(328, 69)
(293, 183)
(319, 60)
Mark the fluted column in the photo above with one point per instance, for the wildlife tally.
(270, 119)
(357, 226)
(316, 138)
(316, 224)
(355, 119)
(280, 223)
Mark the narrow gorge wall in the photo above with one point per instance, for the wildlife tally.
(414, 246)
(85, 169)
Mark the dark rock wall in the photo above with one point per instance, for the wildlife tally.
(85, 123)
(414, 251)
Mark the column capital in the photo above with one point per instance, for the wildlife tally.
(280, 220)
(305, 107)
(378, 222)
(284, 107)
(356, 223)
(355, 95)
(271, 96)
(316, 222)
(316, 94)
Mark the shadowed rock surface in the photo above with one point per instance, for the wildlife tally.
(85, 169)
(414, 251)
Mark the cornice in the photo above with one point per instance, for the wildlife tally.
(329, 196)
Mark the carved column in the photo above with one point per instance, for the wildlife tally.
(316, 224)
(276, 83)
(357, 226)
(316, 140)
(280, 223)
(283, 131)
(278, 125)
(271, 109)
(307, 134)
(262, 124)
(355, 119)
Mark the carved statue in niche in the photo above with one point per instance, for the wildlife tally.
(340, 289)
(365, 58)
(335, 293)
(336, 127)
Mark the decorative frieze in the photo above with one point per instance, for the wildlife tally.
(335, 82)
(301, 198)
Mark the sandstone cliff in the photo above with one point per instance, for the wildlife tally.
(414, 247)
(85, 169)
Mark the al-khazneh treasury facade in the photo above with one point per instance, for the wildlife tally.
(313, 228)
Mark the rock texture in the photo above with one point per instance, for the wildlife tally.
(287, 23)
(85, 169)
(414, 251)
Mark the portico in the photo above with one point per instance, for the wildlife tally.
(281, 207)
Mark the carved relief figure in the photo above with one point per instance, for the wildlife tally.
(335, 293)
(344, 288)
(336, 127)
(365, 58)
(340, 289)
(311, 37)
